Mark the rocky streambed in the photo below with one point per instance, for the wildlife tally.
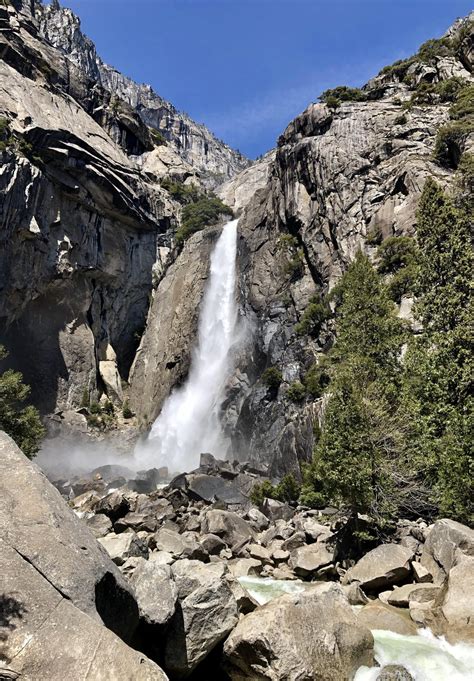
(128, 578)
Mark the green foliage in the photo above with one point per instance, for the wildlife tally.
(397, 258)
(359, 458)
(288, 489)
(439, 366)
(181, 192)
(205, 211)
(294, 267)
(314, 316)
(400, 120)
(85, 399)
(21, 422)
(398, 69)
(127, 413)
(272, 377)
(374, 236)
(94, 408)
(342, 93)
(296, 392)
(431, 49)
(466, 176)
(317, 378)
(450, 139)
(157, 137)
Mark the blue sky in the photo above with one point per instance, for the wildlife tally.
(245, 68)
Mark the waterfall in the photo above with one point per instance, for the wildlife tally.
(189, 421)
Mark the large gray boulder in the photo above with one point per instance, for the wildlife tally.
(443, 540)
(206, 613)
(36, 522)
(120, 547)
(228, 525)
(455, 615)
(308, 559)
(385, 565)
(311, 635)
(155, 591)
(43, 635)
(378, 615)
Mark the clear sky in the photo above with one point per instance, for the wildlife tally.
(245, 68)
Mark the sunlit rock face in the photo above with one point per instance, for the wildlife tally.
(214, 160)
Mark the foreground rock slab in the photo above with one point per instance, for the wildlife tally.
(36, 522)
(312, 635)
(43, 635)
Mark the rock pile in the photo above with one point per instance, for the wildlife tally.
(170, 582)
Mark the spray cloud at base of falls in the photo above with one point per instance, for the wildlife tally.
(189, 422)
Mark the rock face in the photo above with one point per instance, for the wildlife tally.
(314, 635)
(45, 636)
(193, 142)
(35, 522)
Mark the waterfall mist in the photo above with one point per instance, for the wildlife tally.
(189, 422)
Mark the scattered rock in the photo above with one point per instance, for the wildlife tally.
(99, 524)
(308, 559)
(384, 566)
(443, 540)
(394, 672)
(420, 573)
(228, 525)
(155, 591)
(403, 596)
(378, 615)
(123, 546)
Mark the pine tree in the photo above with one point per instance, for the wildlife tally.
(21, 422)
(439, 365)
(359, 459)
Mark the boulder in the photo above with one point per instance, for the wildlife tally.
(179, 545)
(114, 505)
(259, 553)
(155, 591)
(443, 540)
(384, 566)
(99, 524)
(123, 546)
(137, 522)
(258, 520)
(310, 635)
(403, 596)
(308, 559)
(394, 672)
(378, 615)
(228, 525)
(36, 522)
(212, 544)
(161, 557)
(44, 635)
(245, 566)
(420, 573)
(457, 599)
(206, 613)
(294, 542)
(213, 488)
(277, 510)
(313, 530)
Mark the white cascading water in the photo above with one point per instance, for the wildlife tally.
(189, 421)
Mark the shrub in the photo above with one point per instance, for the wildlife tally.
(296, 392)
(374, 236)
(181, 192)
(157, 137)
(463, 106)
(288, 489)
(314, 316)
(317, 378)
(85, 399)
(94, 408)
(440, 47)
(395, 252)
(466, 175)
(450, 141)
(272, 377)
(21, 422)
(200, 214)
(342, 93)
(294, 267)
(126, 411)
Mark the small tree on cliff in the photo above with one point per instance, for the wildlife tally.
(359, 459)
(21, 422)
(439, 362)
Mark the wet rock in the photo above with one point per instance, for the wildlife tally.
(155, 591)
(394, 672)
(308, 635)
(384, 566)
(123, 546)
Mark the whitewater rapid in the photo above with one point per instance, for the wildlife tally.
(189, 422)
